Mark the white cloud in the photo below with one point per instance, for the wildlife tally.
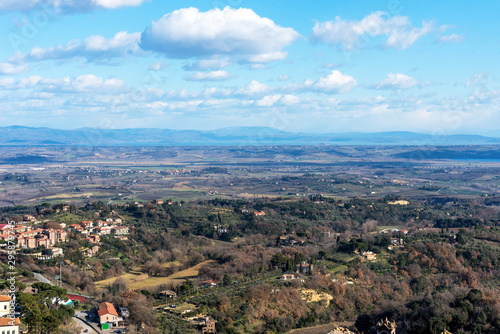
(97, 49)
(91, 82)
(65, 6)
(158, 66)
(187, 33)
(254, 88)
(334, 82)
(93, 48)
(453, 38)
(268, 57)
(111, 4)
(207, 64)
(285, 77)
(7, 82)
(80, 84)
(209, 76)
(87, 99)
(445, 27)
(268, 100)
(10, 68)
(289, 100)
(398, 29)
(397, 81)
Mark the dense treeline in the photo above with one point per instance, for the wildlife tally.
(426, 280)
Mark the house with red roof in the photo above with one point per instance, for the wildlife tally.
(108, 317)
(8, 325)
(208, 284)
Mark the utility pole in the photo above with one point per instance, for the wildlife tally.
(60, 273)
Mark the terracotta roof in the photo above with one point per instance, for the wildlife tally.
(106, 308)
(4, 298)
(31, 232)
(75, 297)
(9, 322)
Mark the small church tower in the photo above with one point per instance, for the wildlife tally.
(386, 327)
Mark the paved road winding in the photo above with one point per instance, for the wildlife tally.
(42, 278)
(84, 326)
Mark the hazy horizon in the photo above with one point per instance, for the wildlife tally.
(494, 133)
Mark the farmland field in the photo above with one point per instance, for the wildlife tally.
(137, 280)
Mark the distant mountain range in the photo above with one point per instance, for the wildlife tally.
(20, 136)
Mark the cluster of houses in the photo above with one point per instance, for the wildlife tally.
(370, 256)
(396, 243)
(92, 230)
(300, 269)
(204, 324)
(220, 228)
(290, 240)
(9, 324)
(29, 237)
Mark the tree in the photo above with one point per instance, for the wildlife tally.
(187, 286)
(141, 311)
(37, 315)
(227, 280)
(50, 295)
(117, 286)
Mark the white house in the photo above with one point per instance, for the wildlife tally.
(4, 305)
(9, 326)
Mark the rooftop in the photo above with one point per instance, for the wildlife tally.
(9, 322)
(106, 308)
(4, 298)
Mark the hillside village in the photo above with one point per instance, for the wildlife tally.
(137, 266)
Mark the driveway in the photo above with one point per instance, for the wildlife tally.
(81, 315)
(41, 278)
(84, 326)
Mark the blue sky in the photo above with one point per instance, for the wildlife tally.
(336, 66)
